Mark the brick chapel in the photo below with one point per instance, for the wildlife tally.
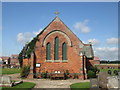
(59, 49)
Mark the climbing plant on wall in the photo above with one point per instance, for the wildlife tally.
(27, 50)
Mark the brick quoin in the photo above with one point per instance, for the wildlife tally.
(75, 63)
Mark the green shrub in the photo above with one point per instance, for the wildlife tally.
(91, 74)
(66, 74)
(75, 76)
(94, 69)
(25, 71)
(44, 74)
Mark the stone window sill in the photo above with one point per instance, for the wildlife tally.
(56, 60)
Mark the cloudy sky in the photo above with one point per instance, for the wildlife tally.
(92, 22)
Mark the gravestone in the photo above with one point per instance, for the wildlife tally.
(113, 82)
(5, 81)
(118, 79)
(94, 83)
(102, 79)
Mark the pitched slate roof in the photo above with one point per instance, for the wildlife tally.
(14, 55)
(88, 51)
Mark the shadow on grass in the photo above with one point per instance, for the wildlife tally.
(21, 86)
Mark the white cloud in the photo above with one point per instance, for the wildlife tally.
(107, 53)
(27, 36)
(35, 33)
(24, 37)
(82, 26)
(94, 41)
(105, 49)
(84, 42)
(112, 40)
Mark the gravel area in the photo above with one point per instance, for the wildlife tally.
(47, 83)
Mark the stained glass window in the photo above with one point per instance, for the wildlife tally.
(64, 51)
(48, 51)
(56, 48)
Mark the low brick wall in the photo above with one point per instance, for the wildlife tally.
(108, 66)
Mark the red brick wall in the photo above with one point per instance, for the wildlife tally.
(74, 63)
(25, 62)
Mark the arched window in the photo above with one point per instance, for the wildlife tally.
(64, 51)
(48, 51)
(56, 49)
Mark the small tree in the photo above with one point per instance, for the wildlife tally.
(91, 74)
(25, 71)
(20, 58)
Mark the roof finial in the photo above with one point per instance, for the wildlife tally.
(90, 42)
(56, 13)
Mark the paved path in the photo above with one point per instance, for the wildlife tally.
(47, 83)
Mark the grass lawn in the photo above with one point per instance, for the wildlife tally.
(22, 86)
(9, 70)
(106, 70)
(79, 86)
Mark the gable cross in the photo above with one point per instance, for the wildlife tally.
(56, 13)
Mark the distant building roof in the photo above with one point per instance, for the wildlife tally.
(96, 58)
(5, 58)
(14, 55)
